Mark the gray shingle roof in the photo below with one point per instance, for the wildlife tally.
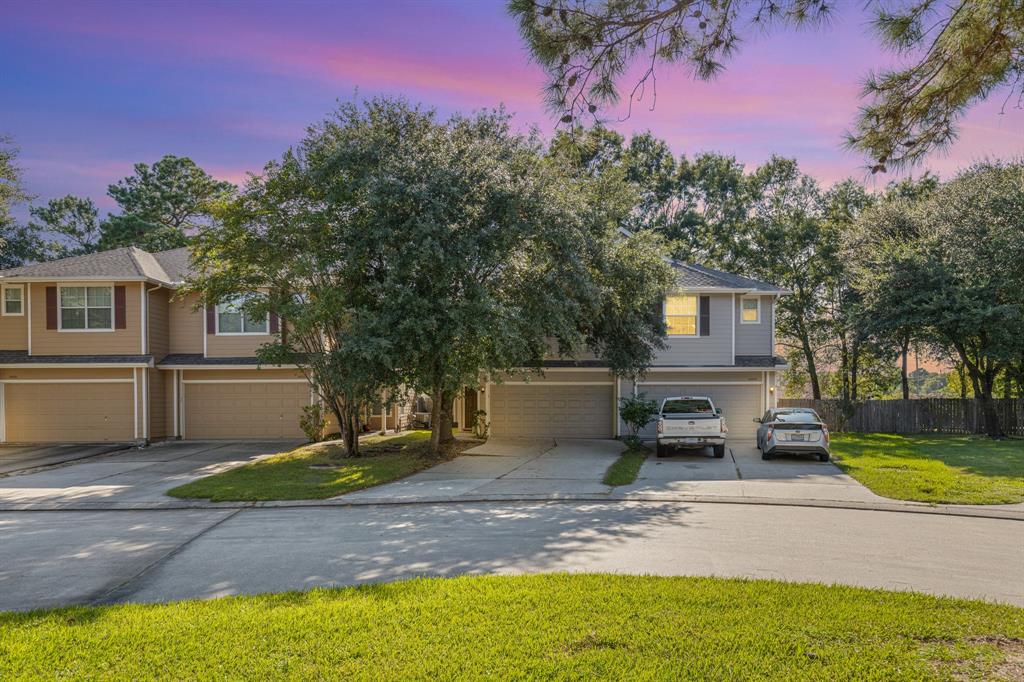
(21, 357)
(698, 276)
(197, 359)
(129, 262)
(175, 263)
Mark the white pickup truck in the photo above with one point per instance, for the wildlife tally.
(690, 422)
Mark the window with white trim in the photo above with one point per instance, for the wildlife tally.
(750, 309)
(14, 300)
(86, 308)
(231, 319)
(681, 315)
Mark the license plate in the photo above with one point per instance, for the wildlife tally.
(689, 440)
(798, 436)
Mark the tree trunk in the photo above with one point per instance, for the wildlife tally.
(447, 411)
(436, 397)
(986, 382)
(844, 368)
(904, 379)
(963, 381)
(812, 368)
(854, 367)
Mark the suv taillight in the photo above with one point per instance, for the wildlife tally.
(824, 432)
(768, 434)
(661, 426)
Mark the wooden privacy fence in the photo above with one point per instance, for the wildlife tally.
(924, 415)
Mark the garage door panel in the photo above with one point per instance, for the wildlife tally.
(244, 410)
(739, 404)
(553, 411)
(72, 412)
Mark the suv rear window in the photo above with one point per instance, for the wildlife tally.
(689, 406)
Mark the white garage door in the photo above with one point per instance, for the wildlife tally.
(566, 411)
(244, 409)
(739, 404)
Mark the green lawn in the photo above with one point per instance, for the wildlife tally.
(537, 627)
(288, 476)
(934, 468)
(624, 470)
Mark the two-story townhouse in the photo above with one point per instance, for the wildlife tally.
(720, 343)
(104, 347)
(99, 348)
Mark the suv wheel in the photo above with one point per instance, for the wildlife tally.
(765, 456)
(823, 457)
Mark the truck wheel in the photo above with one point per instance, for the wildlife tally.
(659, 450)
(719, 451)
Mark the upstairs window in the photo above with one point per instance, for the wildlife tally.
(86, 308)
(750, 310)
(232, 320)
(681, 315)
(13, 300)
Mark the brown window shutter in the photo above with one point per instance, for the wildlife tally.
(704, 311)
(51, 307)
(211, 319)
(120, 316)
(275, 323)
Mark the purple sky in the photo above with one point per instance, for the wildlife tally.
(89, 88)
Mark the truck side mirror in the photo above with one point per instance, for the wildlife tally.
(718, 410)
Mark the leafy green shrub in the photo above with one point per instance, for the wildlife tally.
(637, 412)
(313, 422)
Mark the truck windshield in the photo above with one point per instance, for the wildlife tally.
(688, 406)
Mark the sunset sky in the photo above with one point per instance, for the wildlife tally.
(89, 88)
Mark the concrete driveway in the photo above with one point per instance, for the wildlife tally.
(743, 474)
(17, 458)
(515, 468)
(138, 476)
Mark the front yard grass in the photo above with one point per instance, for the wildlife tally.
(624, 470)
(288, 476)
(934, 468)
(528, 627)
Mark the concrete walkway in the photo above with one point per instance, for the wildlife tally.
(60, 558)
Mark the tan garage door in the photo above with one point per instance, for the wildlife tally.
(739, 404)
(519, 410)
(244, 410)
(73, 412)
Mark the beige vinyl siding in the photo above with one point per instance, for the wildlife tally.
(157, 404)
(68, 412)
(186, 326)
(127, 341)
(240, 346)
(158, 324)
(14, 331)
(168, 393)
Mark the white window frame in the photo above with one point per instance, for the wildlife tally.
(235, 302)
(756, 299)
(3, 301)
(696, 316)
(60, 307)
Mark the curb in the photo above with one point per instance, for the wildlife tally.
(202, 505)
